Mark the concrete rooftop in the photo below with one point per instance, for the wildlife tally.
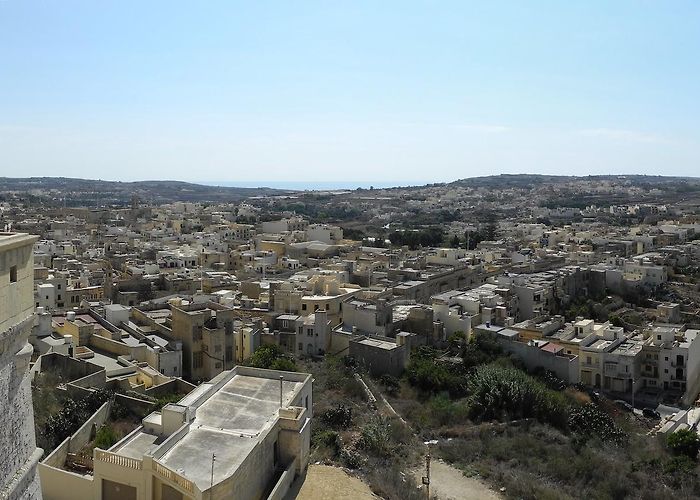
(228, 424)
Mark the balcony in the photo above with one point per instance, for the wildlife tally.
(119, 460)
(173, 477)
(592, 364)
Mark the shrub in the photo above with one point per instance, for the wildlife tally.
(684, 442)
(351, 458)
(481, 349)
(106, 437)
(375, 436)
(74, 413)
(271, 357)
(682, 464)
(390, 383)
(338, 417)
(430, 375)
(328, 438)
(589, 420)
(445, 411)
(497, 392)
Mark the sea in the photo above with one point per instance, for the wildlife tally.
(313, 186)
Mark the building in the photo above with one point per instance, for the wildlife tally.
(19, 455)
(206, 332)
(244, 435)
(671, 361)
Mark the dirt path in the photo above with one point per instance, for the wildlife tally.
(323, 482)
(448, 483)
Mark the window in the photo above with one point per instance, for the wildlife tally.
(59, 286)
(196, 333)
(303, 307)
(197, 360)
(217, 365)
(13, 274)
(217, 348)
(301, 346)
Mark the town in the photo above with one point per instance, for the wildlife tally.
(193, 349)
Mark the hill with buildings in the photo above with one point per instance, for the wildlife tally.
(90, 192)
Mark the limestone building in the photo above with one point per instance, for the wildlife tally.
(243, 435)
(19, 455)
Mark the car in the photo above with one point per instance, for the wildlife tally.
(623, 405)
(651, 413)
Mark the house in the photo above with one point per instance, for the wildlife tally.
(245, 434)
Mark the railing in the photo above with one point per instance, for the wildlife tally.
(121, 461)
(173, 477)
(592, 364)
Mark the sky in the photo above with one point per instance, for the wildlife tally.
(384, 91)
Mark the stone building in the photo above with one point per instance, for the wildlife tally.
(19, 455)
(244, 435)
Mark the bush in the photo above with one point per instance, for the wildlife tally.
(74, 413)
(589, 420)
(271, 357)
(481, 349)
(106, 437)
(338, 417)
(430, 375)
(375, 436)
(497, 392)
(684, 443)
(328, 438)
(444, 411)
(390, 383)
(680, 464)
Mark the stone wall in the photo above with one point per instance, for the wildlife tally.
(19, 455)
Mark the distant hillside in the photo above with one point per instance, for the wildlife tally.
(535, 180)
(98, 192)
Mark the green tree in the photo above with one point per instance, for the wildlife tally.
(272, 358)
(684, 442)
(454, 243)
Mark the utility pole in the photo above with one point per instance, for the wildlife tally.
(427, 474)
(211, 483)
(426, 479)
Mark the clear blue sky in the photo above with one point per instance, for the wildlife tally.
(348, 91)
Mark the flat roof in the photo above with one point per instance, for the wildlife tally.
(379, 344)
(228, 424)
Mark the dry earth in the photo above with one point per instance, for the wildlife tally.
(449, 483)
(323, 482)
